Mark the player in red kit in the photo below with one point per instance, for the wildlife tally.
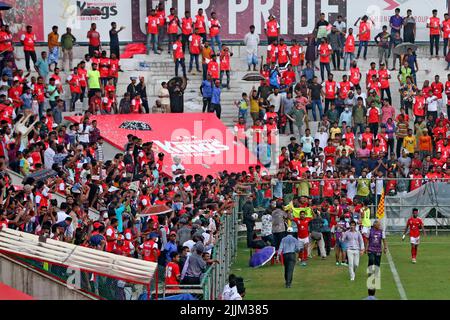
(303, 236)
(414, 224)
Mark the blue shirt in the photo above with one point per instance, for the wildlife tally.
(289, 245)
(347, 117)
(119, 212)
(396, 21)
(43, 68)
(273, 79)
(411, 60)
(308, 73)
(169, 248)
(27, 100)
(9, 73)
(207, 89)
(215, 95)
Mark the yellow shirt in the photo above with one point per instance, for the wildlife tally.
(365, 218)
(333, 132)
(409, 143)
(254, 105)
(53, 40)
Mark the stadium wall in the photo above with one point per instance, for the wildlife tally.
(34, 283)
(297, 18)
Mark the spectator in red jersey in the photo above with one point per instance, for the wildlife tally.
(94, 40)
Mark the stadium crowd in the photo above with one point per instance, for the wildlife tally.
(324, 178)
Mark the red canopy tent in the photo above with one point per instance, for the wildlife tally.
(203, 143)
(8, 293)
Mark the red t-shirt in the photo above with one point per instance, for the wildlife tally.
(330, 89)
(344, 88)
(434, 25)
(414, 224)
(325, 52)
(328, 187)
(367, 138)
(94, 38)
(272, 28)
(289, 77)
(437, 89)
(295, 55)
(355, 75)
(302, 227)
(152, 24)
(364, 31)
(349, 44)
(416, 182)
(186, 26)
(374, 115)
(172, 271)
(283, 53)
(446, 28)
(419, 106)
(383, 75)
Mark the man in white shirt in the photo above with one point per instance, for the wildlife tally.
(48, 155)
(275, 99)
(432, 103)
(61, 215)
(83, 133)
(322, 136)
(351, 188)
(361, 94)
(177, 168)
(251, 41)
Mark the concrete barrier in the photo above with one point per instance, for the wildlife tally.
(36, 283)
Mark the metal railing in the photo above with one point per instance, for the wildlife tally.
(216, 276)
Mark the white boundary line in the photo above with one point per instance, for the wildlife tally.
(421, 242)
(394, 272)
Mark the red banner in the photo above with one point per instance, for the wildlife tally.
(203, 143)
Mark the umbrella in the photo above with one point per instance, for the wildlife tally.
(91, 12)
(254, 77)
(261, 257)
(155, 210)
(135, 125)
(4, 6)
(41, 175)
(172, 82)
(403, 48)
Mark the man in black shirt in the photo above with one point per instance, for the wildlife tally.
(141, 90)
(114, 39)
(320, 25)
(248, 210)
(315, 94)
(316, 150)
(293, 147)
